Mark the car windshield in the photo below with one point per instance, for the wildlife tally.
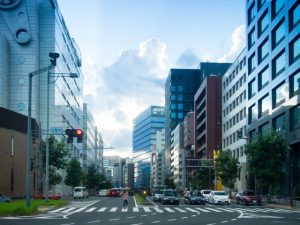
(251, 193)
(206, 192)
(198, 194)
(220, 193)
(78, 189)
(170, 193)
(158, 192)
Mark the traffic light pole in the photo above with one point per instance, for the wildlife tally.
(47, 139)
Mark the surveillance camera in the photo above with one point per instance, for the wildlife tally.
(53, 55)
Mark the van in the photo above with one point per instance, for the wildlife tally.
(80, 192)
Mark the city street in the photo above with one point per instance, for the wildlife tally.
(109, 211)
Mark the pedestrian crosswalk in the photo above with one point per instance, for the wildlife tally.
(184, 209)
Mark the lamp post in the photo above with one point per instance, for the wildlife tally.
(55, 75)
(53, 57)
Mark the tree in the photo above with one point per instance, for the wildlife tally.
(93, 177)
(74, 173)
(169, 182)
(266, 156)
(54, 177)
(227, 168)
(203, 176)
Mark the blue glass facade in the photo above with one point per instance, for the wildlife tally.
(143, 138)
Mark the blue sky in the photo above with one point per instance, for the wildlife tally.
(128, 47)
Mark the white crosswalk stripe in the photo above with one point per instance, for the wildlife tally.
(58, 210)
(180, 210)
(79, 209)
(146, 209)
(215, 210)
(135, 209)
(169, 210)
(91, 209)
(102, 209)
(113, 209)
(226, 210)
(124, 210)
(157, 210)
(68, 210)
(192, 210)
(203, 210)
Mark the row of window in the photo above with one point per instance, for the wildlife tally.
(279, 95)
(235, 72)
(234, 120)
(234, 137)
(235, 103)
(239, 152)
(279, 123)
(234, 88)
(178, 88)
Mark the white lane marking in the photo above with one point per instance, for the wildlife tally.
(157, 210)
(113, 209)
(169, 210)
(95, 221)
(155, 222)
(203, 210)
(92, 203)
(152, 202)
(124, 210)
(146, 209)
(226, 210)
(114, 219)
(102, 209)
(57, 210)
(91, 209)
(233, 220)
(67, 223)
(143, 215)
(136, 224)
(130, 217)
(135, 209)
(79, 210)
(172, 219)
(135, 204)
(180, 210)
(191, 210)
(224, 221)
(68, 210)
(184, 217)
(215, 210)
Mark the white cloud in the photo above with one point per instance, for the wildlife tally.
(117, 94)
(238, 44)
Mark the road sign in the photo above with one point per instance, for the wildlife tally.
(56, 130)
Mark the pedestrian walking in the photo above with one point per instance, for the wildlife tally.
(125, 199)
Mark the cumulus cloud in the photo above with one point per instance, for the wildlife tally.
(238, 44)
(118, 93)
(188, 59)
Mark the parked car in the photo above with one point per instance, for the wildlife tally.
(206, 193)
(170, 197)
(194, 197)
(114, 192)
(4, 198)
(80, 192)
(218, 197)
(102, 193)
(247, 197)
(54, 196)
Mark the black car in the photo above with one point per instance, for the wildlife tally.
(194, 197)
(170, 197)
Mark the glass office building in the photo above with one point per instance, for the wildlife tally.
(273, 58)
(145, 127)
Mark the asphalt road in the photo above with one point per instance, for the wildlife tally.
(109, 211)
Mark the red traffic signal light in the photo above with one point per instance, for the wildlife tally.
(79, 133)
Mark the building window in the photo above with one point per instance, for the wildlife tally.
(251, 89)
(279, 123)
(252, 114)
(173, 97)
(277, 6)
(180, 115)
(251, 63)
(264, 129)
(173, 115)
(251, 38)
(264, 105)
(263, 78)
(180, 97)
(173, 106)
(294, 14)
(295, 84)
(180, 106)
(251, 14)
(295, 49)
(295, 117)
(173, 88)
(263, 23)
(252, 135)
(180, 88)
(278, 34)
(278, 64)
(279, 94)
(263, 50)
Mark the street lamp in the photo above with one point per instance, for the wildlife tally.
(53, 57)
(55, 75)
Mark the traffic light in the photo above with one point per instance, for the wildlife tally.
(74, 133)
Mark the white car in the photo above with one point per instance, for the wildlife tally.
(206, 193)
(102, 193)
(219, 197)
(80, 192)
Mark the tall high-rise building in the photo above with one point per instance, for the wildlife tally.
(158, 159)
(145, 126)
(30, 30)
(180, 88)
(273, 56)
(234, 119)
